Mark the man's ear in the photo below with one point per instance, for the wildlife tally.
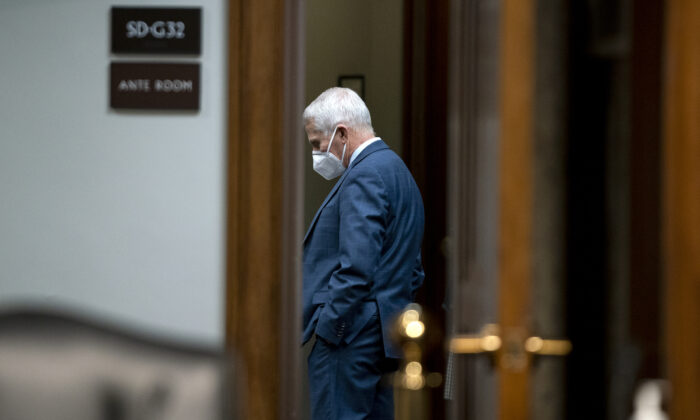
(344, 133)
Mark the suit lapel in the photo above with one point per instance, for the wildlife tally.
(328, 197)
(378, 145)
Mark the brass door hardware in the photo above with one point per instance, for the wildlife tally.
(410, 329)
(510, 350)
(544, 347)
(488, 341)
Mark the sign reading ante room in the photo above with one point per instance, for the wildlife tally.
(136, 85)
(156, 30)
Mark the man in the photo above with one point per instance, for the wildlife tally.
(361, 260)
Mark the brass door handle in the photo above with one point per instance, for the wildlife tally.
(543, 347)
(488, 341)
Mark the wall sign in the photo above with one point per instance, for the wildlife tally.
(156, 30)
(137, 85)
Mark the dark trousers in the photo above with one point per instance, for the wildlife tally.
(348, 382)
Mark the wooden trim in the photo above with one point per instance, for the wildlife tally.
(681, 205)
(516, 198)
(292, 211)
(264, 207)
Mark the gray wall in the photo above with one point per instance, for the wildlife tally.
(117, 214)
(355, 37)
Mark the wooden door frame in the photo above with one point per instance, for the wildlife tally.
(517, 87)
(681, 206)
(265, 203)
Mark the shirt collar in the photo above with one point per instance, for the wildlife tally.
(362, 147)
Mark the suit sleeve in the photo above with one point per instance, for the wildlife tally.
(363, 213)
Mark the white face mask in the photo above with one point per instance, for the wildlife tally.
(326, 163)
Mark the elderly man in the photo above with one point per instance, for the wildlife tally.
(361, 260)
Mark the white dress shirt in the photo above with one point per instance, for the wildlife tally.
(362, 147)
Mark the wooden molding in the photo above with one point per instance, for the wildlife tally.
(681, 205)
(264, 202)
(517, 82)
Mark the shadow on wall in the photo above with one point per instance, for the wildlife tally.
(55, 365)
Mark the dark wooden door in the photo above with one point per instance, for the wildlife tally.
(492, 330)
(474, 126)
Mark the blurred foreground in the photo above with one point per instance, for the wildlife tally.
(62, 367)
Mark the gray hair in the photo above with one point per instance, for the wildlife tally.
(338, 106)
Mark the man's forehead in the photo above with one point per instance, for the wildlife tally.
(313, 132)
(310, 128)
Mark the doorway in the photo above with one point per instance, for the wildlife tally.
(560, 204)
(547, 171)
(355, 44)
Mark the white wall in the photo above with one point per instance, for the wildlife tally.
(120, 214)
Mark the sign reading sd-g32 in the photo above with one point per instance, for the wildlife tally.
(154, 30)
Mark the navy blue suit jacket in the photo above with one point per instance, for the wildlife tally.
(362, 249)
